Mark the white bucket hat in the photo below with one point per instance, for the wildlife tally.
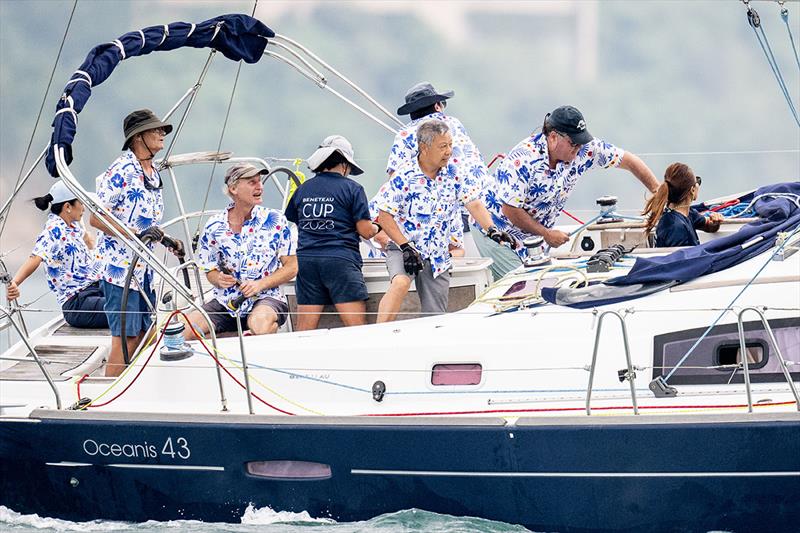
(60, 193)
(334, 143)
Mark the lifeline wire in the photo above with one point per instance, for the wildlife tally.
(41, 108)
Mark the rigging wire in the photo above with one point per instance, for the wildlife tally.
(785, 17)
(755, 22)
(729, 307)
(41, 107)
(219, 144)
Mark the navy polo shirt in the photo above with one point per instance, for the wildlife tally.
(326, 209)
(675, 229)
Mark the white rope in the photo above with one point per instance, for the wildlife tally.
(118, 44)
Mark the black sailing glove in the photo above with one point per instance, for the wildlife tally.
(501, 236)
(412, 260)
(153, 234)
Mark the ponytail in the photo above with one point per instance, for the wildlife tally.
(677, 185)
(654, 207)
(43, 202)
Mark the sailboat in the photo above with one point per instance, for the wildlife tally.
(610, 386)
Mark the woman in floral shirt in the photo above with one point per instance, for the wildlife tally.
(72, 264)
(131, 190)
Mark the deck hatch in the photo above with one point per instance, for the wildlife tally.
(289, 470)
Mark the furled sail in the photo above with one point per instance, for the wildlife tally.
(236, 36)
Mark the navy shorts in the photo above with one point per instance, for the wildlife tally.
(224, 322)
(85, 308)
(328, 280)
(137, 318)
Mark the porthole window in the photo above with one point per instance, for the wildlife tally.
(714, 357)
(730, 353)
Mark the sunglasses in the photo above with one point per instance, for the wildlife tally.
(571, 144)
(699, 180)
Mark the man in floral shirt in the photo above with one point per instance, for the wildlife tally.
(247, 252)
(418, 211)
(534, 181)
(466, 167)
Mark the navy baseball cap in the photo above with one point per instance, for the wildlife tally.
(569, 121)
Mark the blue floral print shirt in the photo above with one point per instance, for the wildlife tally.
(70, 265)
(426, 211)
(468, 170)
(251, 254)
(121, 190)
(371, 251)
(524, 179)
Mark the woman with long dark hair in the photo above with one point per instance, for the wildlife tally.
(72, 264)
(669, 210)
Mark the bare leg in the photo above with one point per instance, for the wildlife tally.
(116, 361)
(199, 323)
(263, 320)
(393, 299)
(352, 313)
(308, 316)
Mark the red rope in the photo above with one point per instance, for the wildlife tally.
(256, 396)
(495, 158)
(573, 217)
(83, 377)
(140, 370)
(214, 357)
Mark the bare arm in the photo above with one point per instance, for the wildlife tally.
(391, 228)
(480, 213)
(366, 229)
(283, 275)
(104, 224)
(633, 164)
(521, 219)
(28, 267)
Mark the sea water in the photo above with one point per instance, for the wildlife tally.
(269, 521)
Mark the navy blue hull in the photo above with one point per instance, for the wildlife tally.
(591, 475)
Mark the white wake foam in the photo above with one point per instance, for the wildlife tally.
(265, 515)
(13, 518)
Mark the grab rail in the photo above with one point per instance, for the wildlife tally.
(27, 343)
(631, 376)
(742, 351)
(137, 247)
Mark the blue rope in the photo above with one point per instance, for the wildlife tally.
(773, 64)
(785, 17)
(728, 307)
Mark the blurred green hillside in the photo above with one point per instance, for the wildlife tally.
(672, 77)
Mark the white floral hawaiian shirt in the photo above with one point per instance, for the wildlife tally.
(122, 191)
(251, 254)
(372, 251)
(524, 179)
(468, 169)
(426, 211)
(70, 265)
